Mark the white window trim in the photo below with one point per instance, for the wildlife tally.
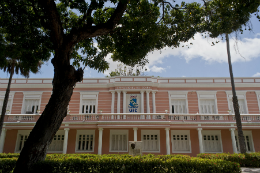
(204, 95)
(249, 133)
(213, 132)
(84, 132)
(151, 132)
(240, 95)
(178, 132)
(178, 95)
(258, 99)
(32, 95)
(20, 132)
(11, 97)
(27, 132)
(59, 132)
(118, 132)
(88, 95)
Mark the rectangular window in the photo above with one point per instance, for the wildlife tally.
(242, 106)
(22, 138)
(85, 143)
(85, 140)
(57, 143)
(88, 106)
(178, 106)
(248, 141)
(151, 140)
(180, 141)
(207, 106)
(55, 146)
(211, 141)
(118, 140)
(150, 143)
(8, 108)
(31, 106)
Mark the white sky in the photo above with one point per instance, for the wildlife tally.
(199, 60)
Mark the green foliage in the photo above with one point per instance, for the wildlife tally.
(61, 163)
(144, 27)
(245, 160)
(7, 164)
(21, 38)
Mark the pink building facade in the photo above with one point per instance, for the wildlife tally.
(169, 115)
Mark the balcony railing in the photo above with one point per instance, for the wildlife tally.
(139, 117)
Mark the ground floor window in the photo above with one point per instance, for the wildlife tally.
(180, 141)
(248, 140)
(85, 140)
(55, 146)
(212, 141)
(57, 142)
(151, 140)
(118, 140)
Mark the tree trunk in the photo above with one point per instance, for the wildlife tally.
(7, 92)
(35, 148)
(241, 138)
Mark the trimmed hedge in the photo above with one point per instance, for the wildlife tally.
(59, 163)
(7, 164)
(245, 160)
(9, 155)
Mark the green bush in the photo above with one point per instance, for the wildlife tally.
(7, 164)
(245, 160)
(9, 155)
(59, 163)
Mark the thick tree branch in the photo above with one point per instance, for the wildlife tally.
(54, 22)
(78, 34)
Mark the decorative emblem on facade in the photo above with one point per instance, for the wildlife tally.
(133, 106)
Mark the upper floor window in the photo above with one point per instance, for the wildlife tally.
(207, 102)
(178, 102)
(9, 103)
(88, 102)
(178, 106)
(31, 102)
(241, 96)
(88, 106)
(207, 106)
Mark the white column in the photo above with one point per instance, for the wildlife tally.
(200, 140)
(147, 102)
(232, 130)
(167, 141)
(135, 133)
(2, 140)
(154, 106)
(113, 104)
(100, 141)
(118, 103)
(142, 103)
(65, 142)
(124, 103)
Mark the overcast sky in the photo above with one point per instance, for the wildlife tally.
(198, 60)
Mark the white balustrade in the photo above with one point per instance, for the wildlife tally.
(21, 117)
(140, 117)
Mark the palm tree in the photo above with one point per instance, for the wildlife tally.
(12, 66)
(241, 138)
